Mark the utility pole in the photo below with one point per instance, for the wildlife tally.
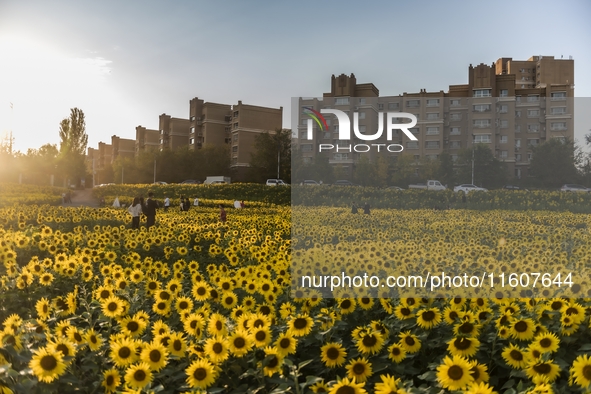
(278, 156)
(472, 158)
(154, 170)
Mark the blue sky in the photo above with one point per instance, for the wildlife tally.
(125, 63)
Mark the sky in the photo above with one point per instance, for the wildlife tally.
(126, 62)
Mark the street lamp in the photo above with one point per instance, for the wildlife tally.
(154, 170)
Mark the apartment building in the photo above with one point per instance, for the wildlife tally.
(510, 105)
(146, 140)
(122, 147)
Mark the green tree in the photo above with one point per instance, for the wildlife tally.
(554, 163)
(446, 174)
(489, 171)
(404, 170)
(73, 142)
(272, 152)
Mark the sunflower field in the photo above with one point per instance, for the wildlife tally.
(195, 305)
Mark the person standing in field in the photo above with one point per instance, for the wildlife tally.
(150, 210)
(222, 214)
(166, 203)
(135, 209)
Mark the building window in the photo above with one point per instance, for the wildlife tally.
(504, 139)
(533, 98)
(481, 123)
(558, 96)
(306, 147)
(235, 148)
(503, 109)
(455, 144)
(362, 129)
(415, 131)
(362, 101)
(235, 114)
(193, 130)
(481, 108)
(431, 157)
(412, 145)
(433, 116)
(481, 139)
(504, 93)
(518, 128)
(191, 141)
(558, 110)
(518, 143)
(455, 116)
(432, 130)
(235, 137)
(558, 126)
(413, 103)
(518, 114)
(533, 113)
(518, 157)
(235, 125)
(362, 115)
(393, 105)
(433, 103)
(456, 102)
(455, 131)
(304, 134)
(432, 144)
(533, 141)
(518, 99)
(529, 156)
(504, 154)
(561, 139)
(326, 135)
(454, 158)
(340, 156)
(533, 127)
(192, 118)
(504, 123)
(380, 107)
(341, 101)
(481, 93)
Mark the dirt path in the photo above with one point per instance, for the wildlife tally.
(82, 198)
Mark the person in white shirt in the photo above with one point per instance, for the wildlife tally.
(166, 203)
(135, 209)
(196, 201)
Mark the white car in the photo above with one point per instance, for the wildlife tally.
(309, 182)
(275, 182)
(467, 188)
(570, 187)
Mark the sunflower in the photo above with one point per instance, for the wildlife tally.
(479, 372)
(480, 388)
(320, 387)
(43, 307)
(454, 373)
(388, 385)
(359, 369)
(396, 353)
(155, 355)
(47, 364)
(581, 371)
(346, 305)
(75, 336)
(228, 299)
(46, 279)
(132, 326)
(217, 324)
(347, 386)
(183, 305)
(177, 346)
(428, 318)
(547, 342)
(462, 346)
(240, 342)
(272, 362)
(112, 307)
(523, 329)
(410, 342)
(93, 339)
(138, 376)
(333, 354)
(370, 342)
(301, 325)
(262, 336)
(286, 344)
(546, 369)
(63, 345)
(111, 380)
(200, 374)
(123, 352)
(216, 349)
(514, 356)
(194, 324)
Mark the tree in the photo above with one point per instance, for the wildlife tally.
(445, 173)
(272, 152)
(489, 171)
(73, 142)
(554, 163)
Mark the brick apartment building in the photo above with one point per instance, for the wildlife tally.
(509, 105)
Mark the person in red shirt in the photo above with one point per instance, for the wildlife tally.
(222, 214)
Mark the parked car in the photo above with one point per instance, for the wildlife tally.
(160, 183)
(309, 182)
(343, 182)
(395, 188)
(511, 187)
(467, 188)
(275, 182)
(190, 182)
(430, 185)
(571, 187)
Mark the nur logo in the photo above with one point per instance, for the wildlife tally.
(345, 129)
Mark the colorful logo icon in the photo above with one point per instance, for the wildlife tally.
(318, 118)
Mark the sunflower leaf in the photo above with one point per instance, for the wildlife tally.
(509, 383)
(429, 376)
